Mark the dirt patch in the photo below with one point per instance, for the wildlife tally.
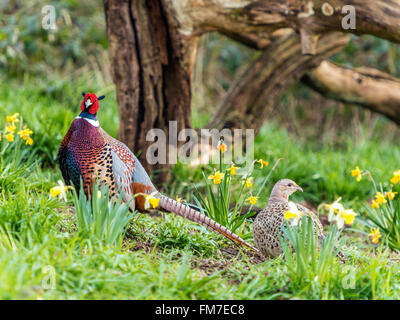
(136, 245)
(210, 265)
(233, 252)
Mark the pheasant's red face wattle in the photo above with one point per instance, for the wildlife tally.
(90, 103)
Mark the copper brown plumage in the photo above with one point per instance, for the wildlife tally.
(89, 154)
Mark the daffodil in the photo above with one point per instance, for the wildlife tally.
(59, 191)
(11, 128)
(380, 198)
(178, 199)
(263, 163)
(248, 182)
(9, 137)
(252, 200)
(374, 204)
(13, 118)
(222, 146)
(356, 173)
(154, 202)
(396, 177)
(25, 134)
(293, 214)
(217, 177)
(151, 200)
(232, 170)
(334, 209)
(390, 194)
(376, 235)
(29, 141)
(346, 216)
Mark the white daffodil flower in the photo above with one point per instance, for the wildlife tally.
(334, 209)
(293, 214)
(151, 200)
(345, 216)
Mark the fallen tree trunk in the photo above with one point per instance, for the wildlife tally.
(365, 87)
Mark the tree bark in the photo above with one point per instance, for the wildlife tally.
(255, 92)
(151, 64)
(365, 87)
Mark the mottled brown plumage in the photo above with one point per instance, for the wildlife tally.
(267, 225)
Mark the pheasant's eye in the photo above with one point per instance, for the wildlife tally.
(290, 185)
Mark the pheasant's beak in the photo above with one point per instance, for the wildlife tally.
(299, 189)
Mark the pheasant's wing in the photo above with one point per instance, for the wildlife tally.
(63, 156)
(130, 176)
(140, 180)
(122, 174)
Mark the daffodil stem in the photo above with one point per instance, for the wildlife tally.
(372, 179)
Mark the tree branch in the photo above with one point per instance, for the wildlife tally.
(250, 97)
(258, 18)
(365, 87)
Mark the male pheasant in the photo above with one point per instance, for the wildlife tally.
(89, 154)
(267, 225)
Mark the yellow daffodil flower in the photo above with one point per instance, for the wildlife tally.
(348, 216)
(9, 137)
(151, 200)
(232, 170)
(376, 235)
(222, 146)
(345, 216)
(178, 199)
(249, 182)
(374, 204)
(154, 202)
(24, 134)
(252, 200)
(356, 173)
(13, 118)
(396, 177)
(59, 191)
(29, 141)
(380, 198)
(390, 194)
(217, 177)
(293, 214)
(263, 163)
(11, 128)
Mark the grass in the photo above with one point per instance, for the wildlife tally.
(166, 257)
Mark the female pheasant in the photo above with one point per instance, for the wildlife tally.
(267, 225)
(89, 154)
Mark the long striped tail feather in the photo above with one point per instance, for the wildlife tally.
(200, 218)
